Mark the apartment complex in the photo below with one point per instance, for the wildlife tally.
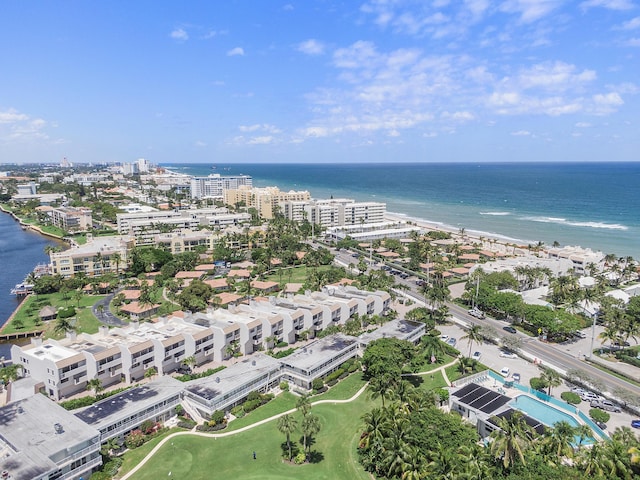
(40, 440)
(98, 256)
(265, 200)
(214, 186)
(64, 367)
(72, 219)
(334, 212)
(144, 225)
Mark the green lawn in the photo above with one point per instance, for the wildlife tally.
(190, 456)
(30, 307)
(294, 274)
(343, 390)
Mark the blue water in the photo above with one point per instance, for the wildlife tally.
(594, 205)
(541, 411)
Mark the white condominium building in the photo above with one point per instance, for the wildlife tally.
(334, 212)
(150, 223)
(265, 200)
(40, 440)
(214, 186)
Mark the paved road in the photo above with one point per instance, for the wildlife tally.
(106, 316)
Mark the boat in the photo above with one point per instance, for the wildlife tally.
(22, 289)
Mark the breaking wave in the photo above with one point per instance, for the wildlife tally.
(564, 221)
(496, 214)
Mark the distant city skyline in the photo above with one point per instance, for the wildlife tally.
(316, 81)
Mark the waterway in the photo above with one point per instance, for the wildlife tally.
(20, 251)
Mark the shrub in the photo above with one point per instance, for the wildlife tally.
(331, 383)
(186, 424)
(281, 344)
(218, 417)
(599, 415)
(317, 384)
(283, 353)
(537, 383)
(251, 405)
(284, 386)
(570, 397)
(134, 439)
(66, 312)
(253, 395)
(300, 458)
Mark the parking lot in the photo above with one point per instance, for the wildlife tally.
(490, 356)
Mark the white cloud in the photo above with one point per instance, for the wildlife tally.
(633, 42)
(608, 4)
(199, 144)
(259, 127)
(179, 34)
(583, 125)
(557, 76)
(459, 116)
(521, 133)
(235, 51)
(12, 116)
(530, 10)
(15, 126)
(631, 24)
(311, 47)
(265, 140)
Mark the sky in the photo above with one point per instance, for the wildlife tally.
(320, 81)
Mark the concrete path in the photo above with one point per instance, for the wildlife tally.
(234, 432)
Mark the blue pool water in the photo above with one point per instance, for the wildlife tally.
(541, 411)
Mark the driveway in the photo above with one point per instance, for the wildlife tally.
(106, 316)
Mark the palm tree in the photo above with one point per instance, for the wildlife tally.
(100, 309)
(376, 424)
(551, 378)
(511, 440)
(381, 386)
(558, 440)
(303, 405)
(310, 426)
(583, 432)
(189, 361)
(95, 384)
(63, 325)
(593, 461)
(116, 258)
(473, 335)
(287, 425)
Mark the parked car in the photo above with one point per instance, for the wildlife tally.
(590, 396)
(516, 377)
(607, 405)
(635, 423)
(476, 356)
(475, 312)
(184, 370)
(509, 329)
(505, 371)
(580, 334)
(602, 425)
(452, 341)
(507, 354)
(578, 390)
(444, 337)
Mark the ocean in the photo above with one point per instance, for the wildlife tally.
(593, 205)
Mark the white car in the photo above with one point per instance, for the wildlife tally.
(516, 377)
(507, 354)
(444, 337)
(505, 371)
(476, 356)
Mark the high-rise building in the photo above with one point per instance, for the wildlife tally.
(214, 186)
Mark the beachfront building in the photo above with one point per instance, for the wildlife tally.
(231, 386)
(98, 256)
(215, 185)
(72, 219)
(265, 200)
(370, 232)
(40, 440)
(333, 212)
(581, 258)
(317, 359)
(119, 414)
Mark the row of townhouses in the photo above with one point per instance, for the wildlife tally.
(39, 440)
(63, 368)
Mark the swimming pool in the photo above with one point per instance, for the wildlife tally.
(541, 411)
